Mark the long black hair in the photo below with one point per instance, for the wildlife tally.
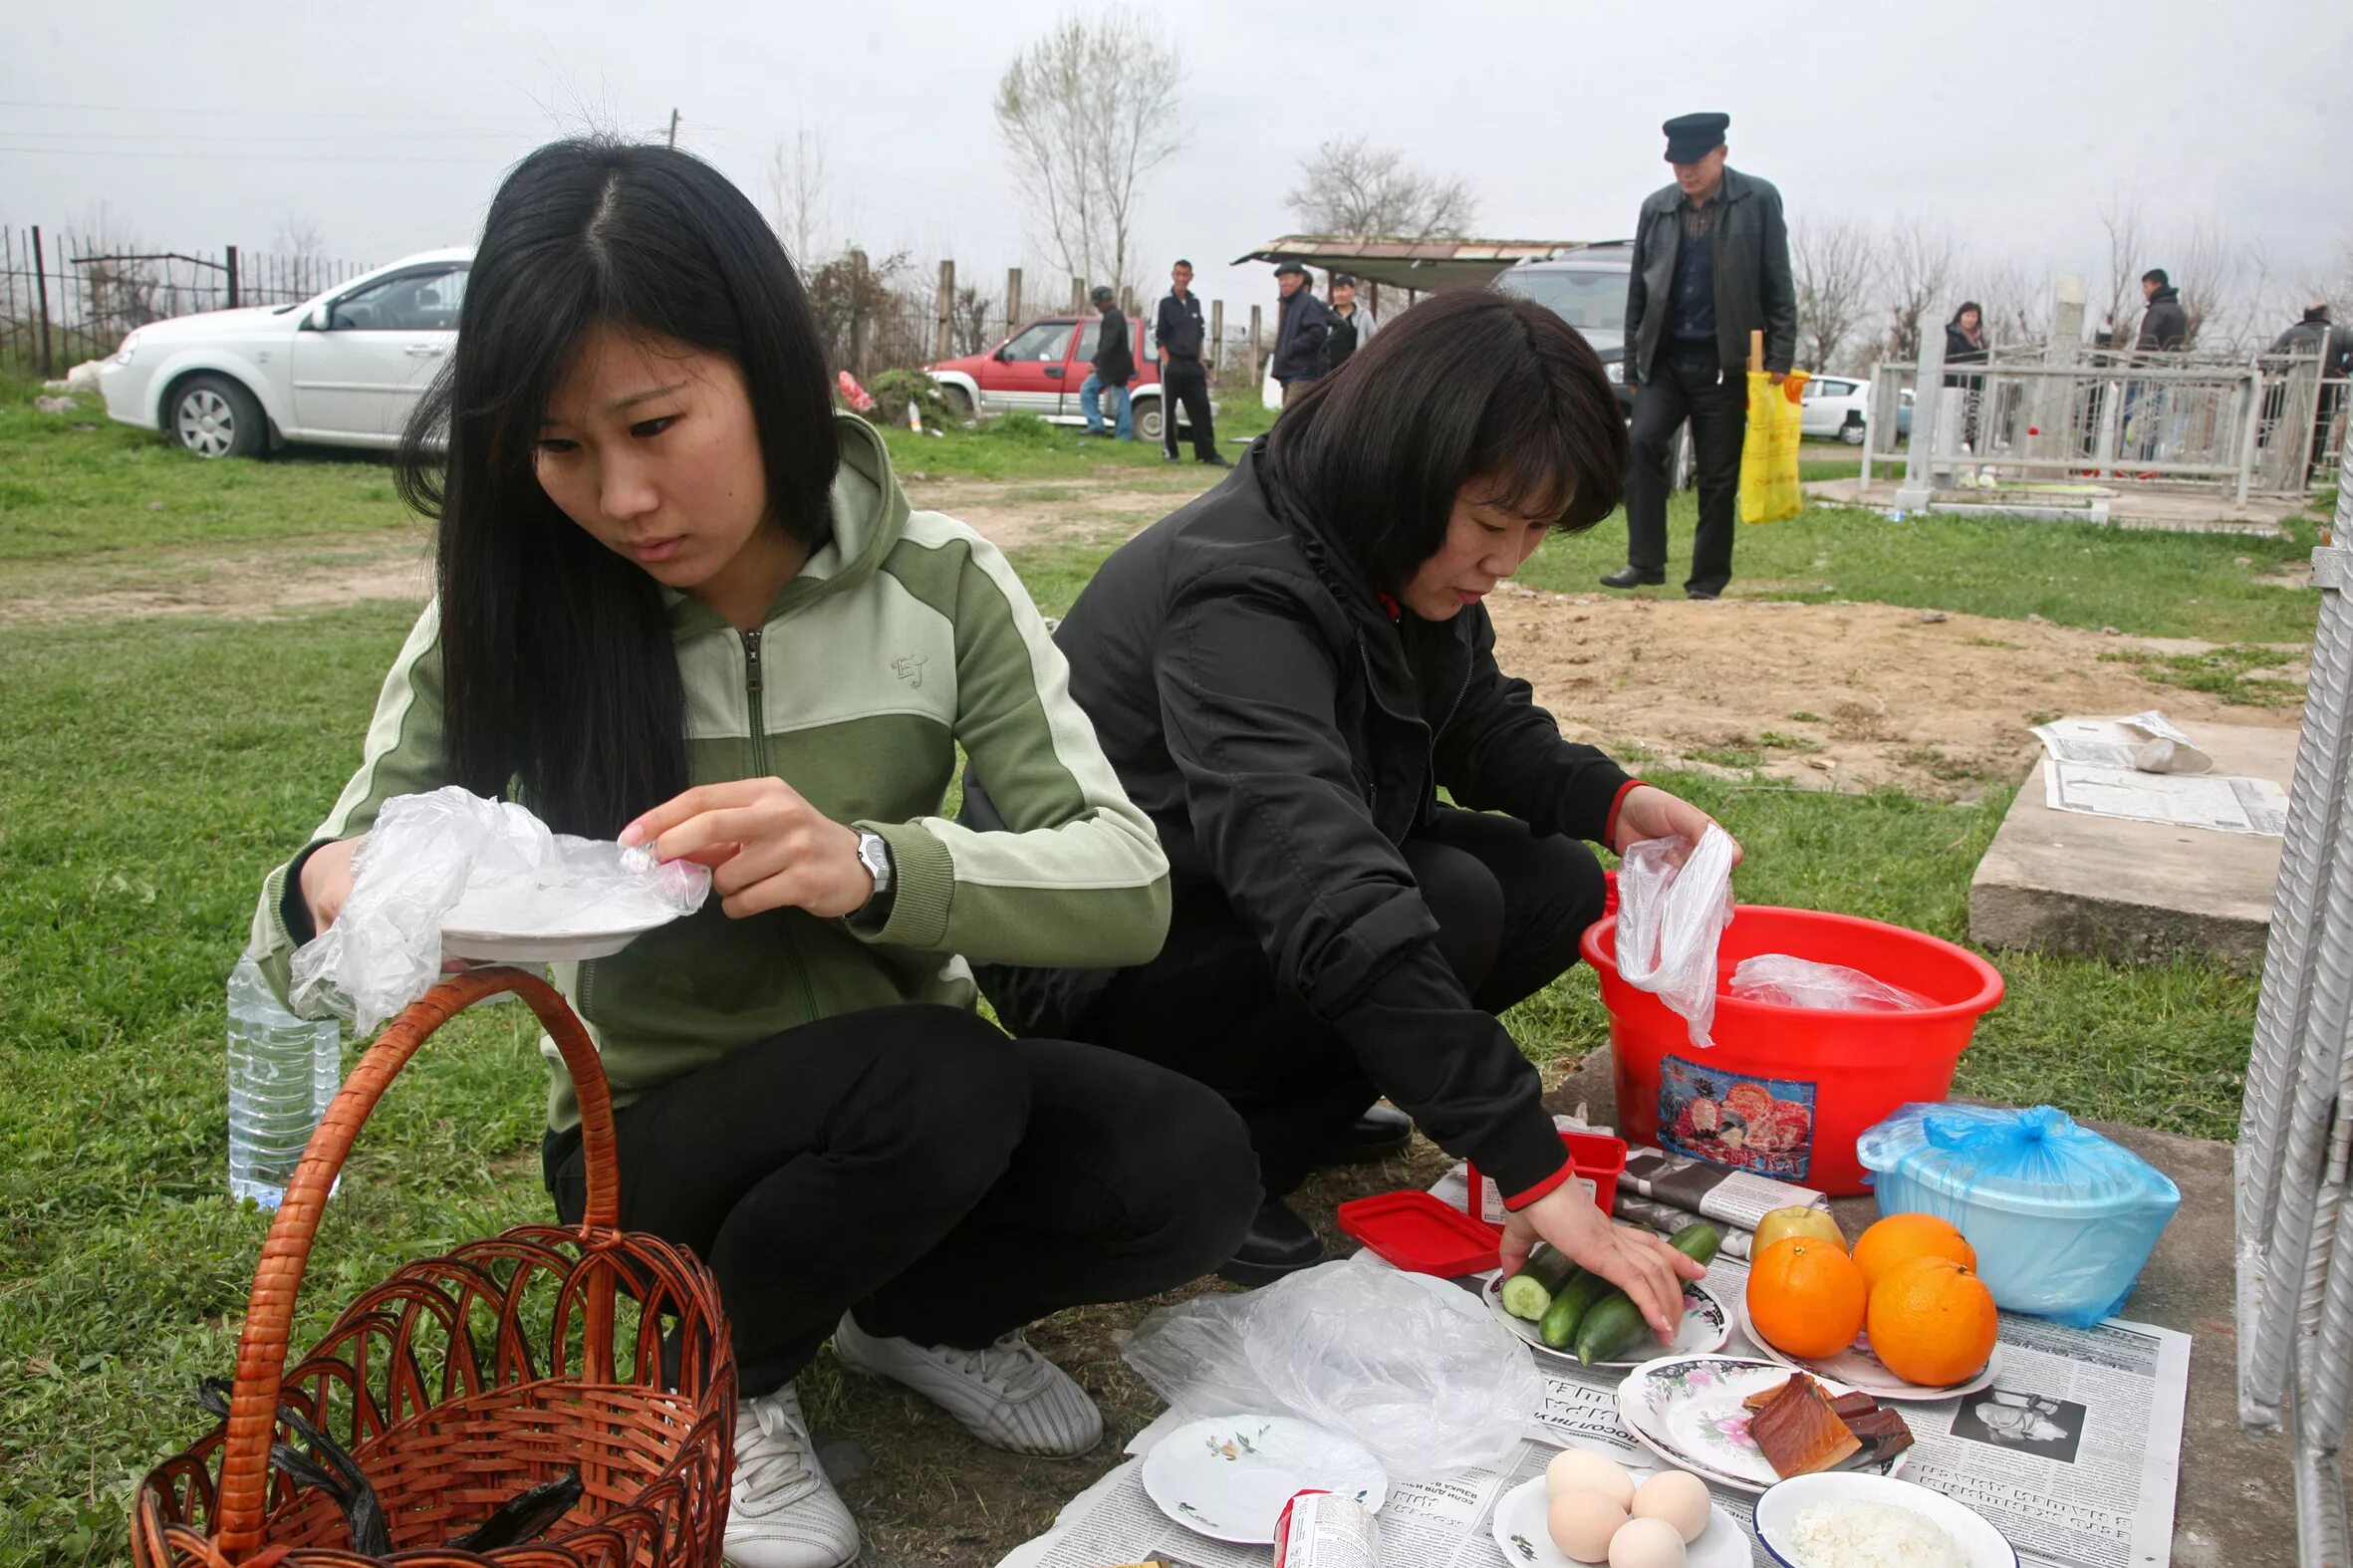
(1466, 384)
(557, 667)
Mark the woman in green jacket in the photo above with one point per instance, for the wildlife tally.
(681, 603)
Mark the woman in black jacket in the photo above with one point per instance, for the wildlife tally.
(1965, 344)
(1285, 674)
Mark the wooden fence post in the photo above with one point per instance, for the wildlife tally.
(41, 299)
(943, 340)
(857, 333)
(1078, 296)
(1012, 301)
(232, 254)
(1217, 353)
(1257, 370)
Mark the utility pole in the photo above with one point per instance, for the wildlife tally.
(673, 127)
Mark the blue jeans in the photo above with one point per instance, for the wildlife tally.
(1089, 404)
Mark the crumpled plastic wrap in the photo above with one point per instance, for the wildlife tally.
(429, 854)
(1801, 982)
(1673, 901)
(1357, 1348)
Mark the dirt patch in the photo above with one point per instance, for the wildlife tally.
(1845, 697)
(257, 583)
(1017, 514)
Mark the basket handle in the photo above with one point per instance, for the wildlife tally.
(261, 1346)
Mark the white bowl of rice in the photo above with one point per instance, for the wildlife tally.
(1843, 1520)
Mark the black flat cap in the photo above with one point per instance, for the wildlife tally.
(1282, 267)
(1689, 138)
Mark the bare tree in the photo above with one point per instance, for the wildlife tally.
(2018, 305)
(799, 208)
(2208, 267)
(1087, 112)
(1921, 257)
(1837, 266)
(2121, 217)
(1348, 187)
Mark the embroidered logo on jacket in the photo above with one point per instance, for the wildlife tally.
(908, 669)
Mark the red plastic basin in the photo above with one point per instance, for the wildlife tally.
(1787, 1090)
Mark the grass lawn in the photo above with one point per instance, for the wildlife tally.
(152, 770)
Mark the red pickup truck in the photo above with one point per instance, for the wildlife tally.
(1040, 369)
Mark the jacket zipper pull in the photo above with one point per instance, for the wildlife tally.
(751, 660)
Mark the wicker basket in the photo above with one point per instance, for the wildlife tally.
(462, 1380)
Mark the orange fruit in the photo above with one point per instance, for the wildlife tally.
(1932, 1322)
(1806, 1297)
(1899, 1239)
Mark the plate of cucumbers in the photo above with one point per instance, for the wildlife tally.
(1573, 1314)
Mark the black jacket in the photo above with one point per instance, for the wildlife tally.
(1178, 325)
(1754, 287)
(1960, 351)
(2166, 326)
(1301, 326)
(1115, 360)
(2314, 335)
(1285, 736)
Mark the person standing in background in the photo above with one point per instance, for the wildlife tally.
(1302, 327)
(1115, 367)
(1965, 344)
(2319, 333)
(1711, 265)
(2164, 329)
(1353, 325)
(1184, 379)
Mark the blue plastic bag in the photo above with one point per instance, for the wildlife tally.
(2062, 1219)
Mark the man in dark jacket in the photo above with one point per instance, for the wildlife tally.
(1302, 324)
(1184, 379)
(2166, 328)
(1711, 264)
(1353, 324)
(1115, 367)
(2317, 333)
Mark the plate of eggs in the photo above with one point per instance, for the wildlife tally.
(1587, 1509)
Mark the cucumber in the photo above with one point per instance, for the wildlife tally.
(1614, 1325)
(1527, 1293)
(1579, 1291)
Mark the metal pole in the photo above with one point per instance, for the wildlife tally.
(673, 127)
(41, 301)
(1217, 355)
(232, 252)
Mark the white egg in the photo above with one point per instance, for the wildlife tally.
(1574, 1468)
(1678, 1497)
(1646, 1543)
(1582, 1524)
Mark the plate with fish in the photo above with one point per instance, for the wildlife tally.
(1699, 1413)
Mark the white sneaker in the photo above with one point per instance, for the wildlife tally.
(781, 1511)
(1008, 1396)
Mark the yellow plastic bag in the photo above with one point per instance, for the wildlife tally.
(1768, 457)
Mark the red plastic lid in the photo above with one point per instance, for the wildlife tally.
(1414, 1231)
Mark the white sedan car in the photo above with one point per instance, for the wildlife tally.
(1840, 406)
(343, 370)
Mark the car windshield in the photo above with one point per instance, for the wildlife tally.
(1594, 298)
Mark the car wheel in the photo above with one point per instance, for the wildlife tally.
(1851, 432)
(959, 403)
(1147, 421)
(215, 416)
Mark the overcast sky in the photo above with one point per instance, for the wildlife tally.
(387, 127)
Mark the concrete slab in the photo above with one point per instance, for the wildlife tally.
(2119, 506)
(2104, 888)
(2235, 1505)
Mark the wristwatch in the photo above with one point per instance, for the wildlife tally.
(873, 851)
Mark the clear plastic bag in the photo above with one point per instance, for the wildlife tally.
(1801, 982)
(1354, 1347)
(429, 853)
(1674, 903)
(2062, 1219)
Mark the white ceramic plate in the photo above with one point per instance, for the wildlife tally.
(1981, 1545)
(1229, 1477)
(558, 946)
(1857, 1368)
(1706, 1325)
(1520, 1531)
(1686, 1410)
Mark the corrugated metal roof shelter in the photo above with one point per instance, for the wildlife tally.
(1422, 264)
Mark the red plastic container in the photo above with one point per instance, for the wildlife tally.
(1414, 1231)
(1594, 1157)
(1787, 1090)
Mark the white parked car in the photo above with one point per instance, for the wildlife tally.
(343, 370)
(1840, 406)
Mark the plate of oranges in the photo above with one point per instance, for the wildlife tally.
(1900, 1315)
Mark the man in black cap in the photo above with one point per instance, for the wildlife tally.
(1711, 265)
(1115, 367)
(1184, 379)
(1300, 330)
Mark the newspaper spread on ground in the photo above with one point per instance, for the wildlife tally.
(2073, 1454)
(1670, 1222)
(2149, 742)
(2221, 803)
(1729, 1197)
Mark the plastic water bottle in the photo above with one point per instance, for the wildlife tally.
(283, 1071)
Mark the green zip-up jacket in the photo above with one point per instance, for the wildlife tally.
(905, 635)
